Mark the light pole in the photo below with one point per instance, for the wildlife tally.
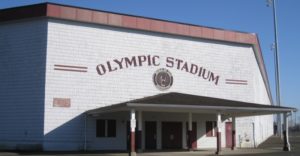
(277, 74)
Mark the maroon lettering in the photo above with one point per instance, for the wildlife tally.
(170, 62)
(194, 69)
(185, 67)
(213, 78)
(141, 59)
(119, 63)
(205, 76)
(101, 69)
(155, 61)
(130, 62)
(200, 71)
(178, 63)
(149, 60)
(109, 67)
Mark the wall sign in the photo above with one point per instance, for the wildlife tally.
(152, 60)
(155, 60)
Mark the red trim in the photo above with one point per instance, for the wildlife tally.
(125, 21)
(80, 67)
(132, 135)
(73, 70)
(237, 83)
(64, 12)
(236, 80)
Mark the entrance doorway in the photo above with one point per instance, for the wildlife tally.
(171, 135)
(150, 135)
(193, 135)
(228, 126)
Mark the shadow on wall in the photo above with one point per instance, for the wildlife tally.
(22, 84)
(68, 136)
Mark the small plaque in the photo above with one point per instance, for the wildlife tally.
(61, 102)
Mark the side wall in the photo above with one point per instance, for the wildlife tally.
(88, 45)
(22, 83)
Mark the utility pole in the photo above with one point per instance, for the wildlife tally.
(276, 58)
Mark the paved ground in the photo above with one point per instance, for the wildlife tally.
(272, 147)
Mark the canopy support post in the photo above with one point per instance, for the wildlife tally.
(190, 127)
(219, 122)
(139, 132)
(286, 143)
(233, 133)
(132, 134)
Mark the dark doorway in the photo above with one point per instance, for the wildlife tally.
(228, 126)
(171, 135)
(150, 135)
(193, 135)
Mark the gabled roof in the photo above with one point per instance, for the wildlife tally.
(64, 12)
(179, 102)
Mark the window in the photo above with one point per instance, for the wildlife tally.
(105, 128)
(100, 128)
(211, 128)
(111, 128)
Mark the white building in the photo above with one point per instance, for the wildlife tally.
(78, 79)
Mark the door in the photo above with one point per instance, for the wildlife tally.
(171, 135)
(228, 126)
(193, 135)
(150, 135)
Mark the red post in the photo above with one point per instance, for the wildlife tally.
(190, 128)
(139, 132)
(132, 136)
(190, 147)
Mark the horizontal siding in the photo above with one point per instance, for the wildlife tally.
(87, 45)
(22, 68)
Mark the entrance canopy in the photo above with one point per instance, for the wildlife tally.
(179, 102)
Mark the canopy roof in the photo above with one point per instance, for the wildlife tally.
(179, 102)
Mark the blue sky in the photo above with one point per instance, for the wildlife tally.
(242, 15)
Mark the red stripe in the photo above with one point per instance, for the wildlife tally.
(236, 80)
(68, 66)
(237, 83)
(132, 135)
(73, 70)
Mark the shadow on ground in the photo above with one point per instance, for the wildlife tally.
(272, 147)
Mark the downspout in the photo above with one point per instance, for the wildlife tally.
(85, 125)
(254, 143)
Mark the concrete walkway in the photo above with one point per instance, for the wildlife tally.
(272, 147)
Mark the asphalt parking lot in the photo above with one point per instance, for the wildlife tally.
(272, 147)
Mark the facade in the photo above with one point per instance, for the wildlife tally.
(64, 64)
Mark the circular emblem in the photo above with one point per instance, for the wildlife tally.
(163, 79)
